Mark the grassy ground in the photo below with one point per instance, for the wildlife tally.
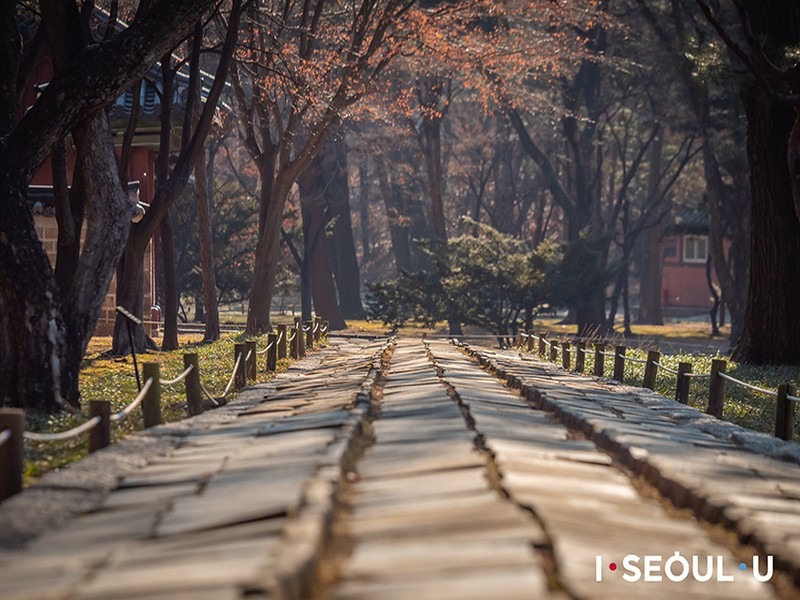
(108, 378)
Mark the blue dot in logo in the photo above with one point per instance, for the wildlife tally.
(742, 567)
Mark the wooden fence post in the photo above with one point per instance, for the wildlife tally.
(250, 349)
(784, 412)
(301, 340)
(151, 404)
(317, 330)
(565, 355)
(272, 351)
(294, 351)
(240, 379)
(326, 325)
(542, 344)
(553, 351)
(11, 452)
(283, 345)
(716, 388)
(194, 391)
(531, 342)
(309, 334)
(682, 387)
(580, 356)
(619, 364)
(100, 435)
(599, 359)
(651, 369)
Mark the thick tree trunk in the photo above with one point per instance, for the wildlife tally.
(268, 250)
(345, 265)
(771, 327)
(323, 290)
(202, 200)
(130, 296)
(651, 264)
(33, 344)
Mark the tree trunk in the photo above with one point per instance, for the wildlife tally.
(210, 306)
(345, 265)
(170, 339)
(274, 194)
(323, 290)
(395, 215)
(363, 208)
(651, 264)
(771, 327)
(33, 344)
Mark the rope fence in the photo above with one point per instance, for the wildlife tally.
(100, 417)
(785, 396)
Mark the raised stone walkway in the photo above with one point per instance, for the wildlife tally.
(413, 470)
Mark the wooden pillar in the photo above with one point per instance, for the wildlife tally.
(283, 345)
(309, 334)
(565, 355)
(580, 357)
(619, 364)
(272, 351)
(599, 359)
(682, 386)
(151, 404)
(716, 388)
(651, 369)
(240, 378)
(100, 435)
(542, 345)
(250, 349)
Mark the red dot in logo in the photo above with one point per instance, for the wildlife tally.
(612, 566)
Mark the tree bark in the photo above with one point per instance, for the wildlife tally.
(345, 265)
(771, 328)
(202, 200)
(167, 251)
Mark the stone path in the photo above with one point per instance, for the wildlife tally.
(408, 471)
(236, 505)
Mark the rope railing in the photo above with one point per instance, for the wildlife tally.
(785, 398)
(136, 402)
(178, 379)
(749, 386)
(280, 336)
(5, 435)
(63, 435)
(233, 376)
(267, 349)
(667, 369)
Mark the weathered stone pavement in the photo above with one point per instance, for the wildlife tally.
(465, 489)
(235, 504)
